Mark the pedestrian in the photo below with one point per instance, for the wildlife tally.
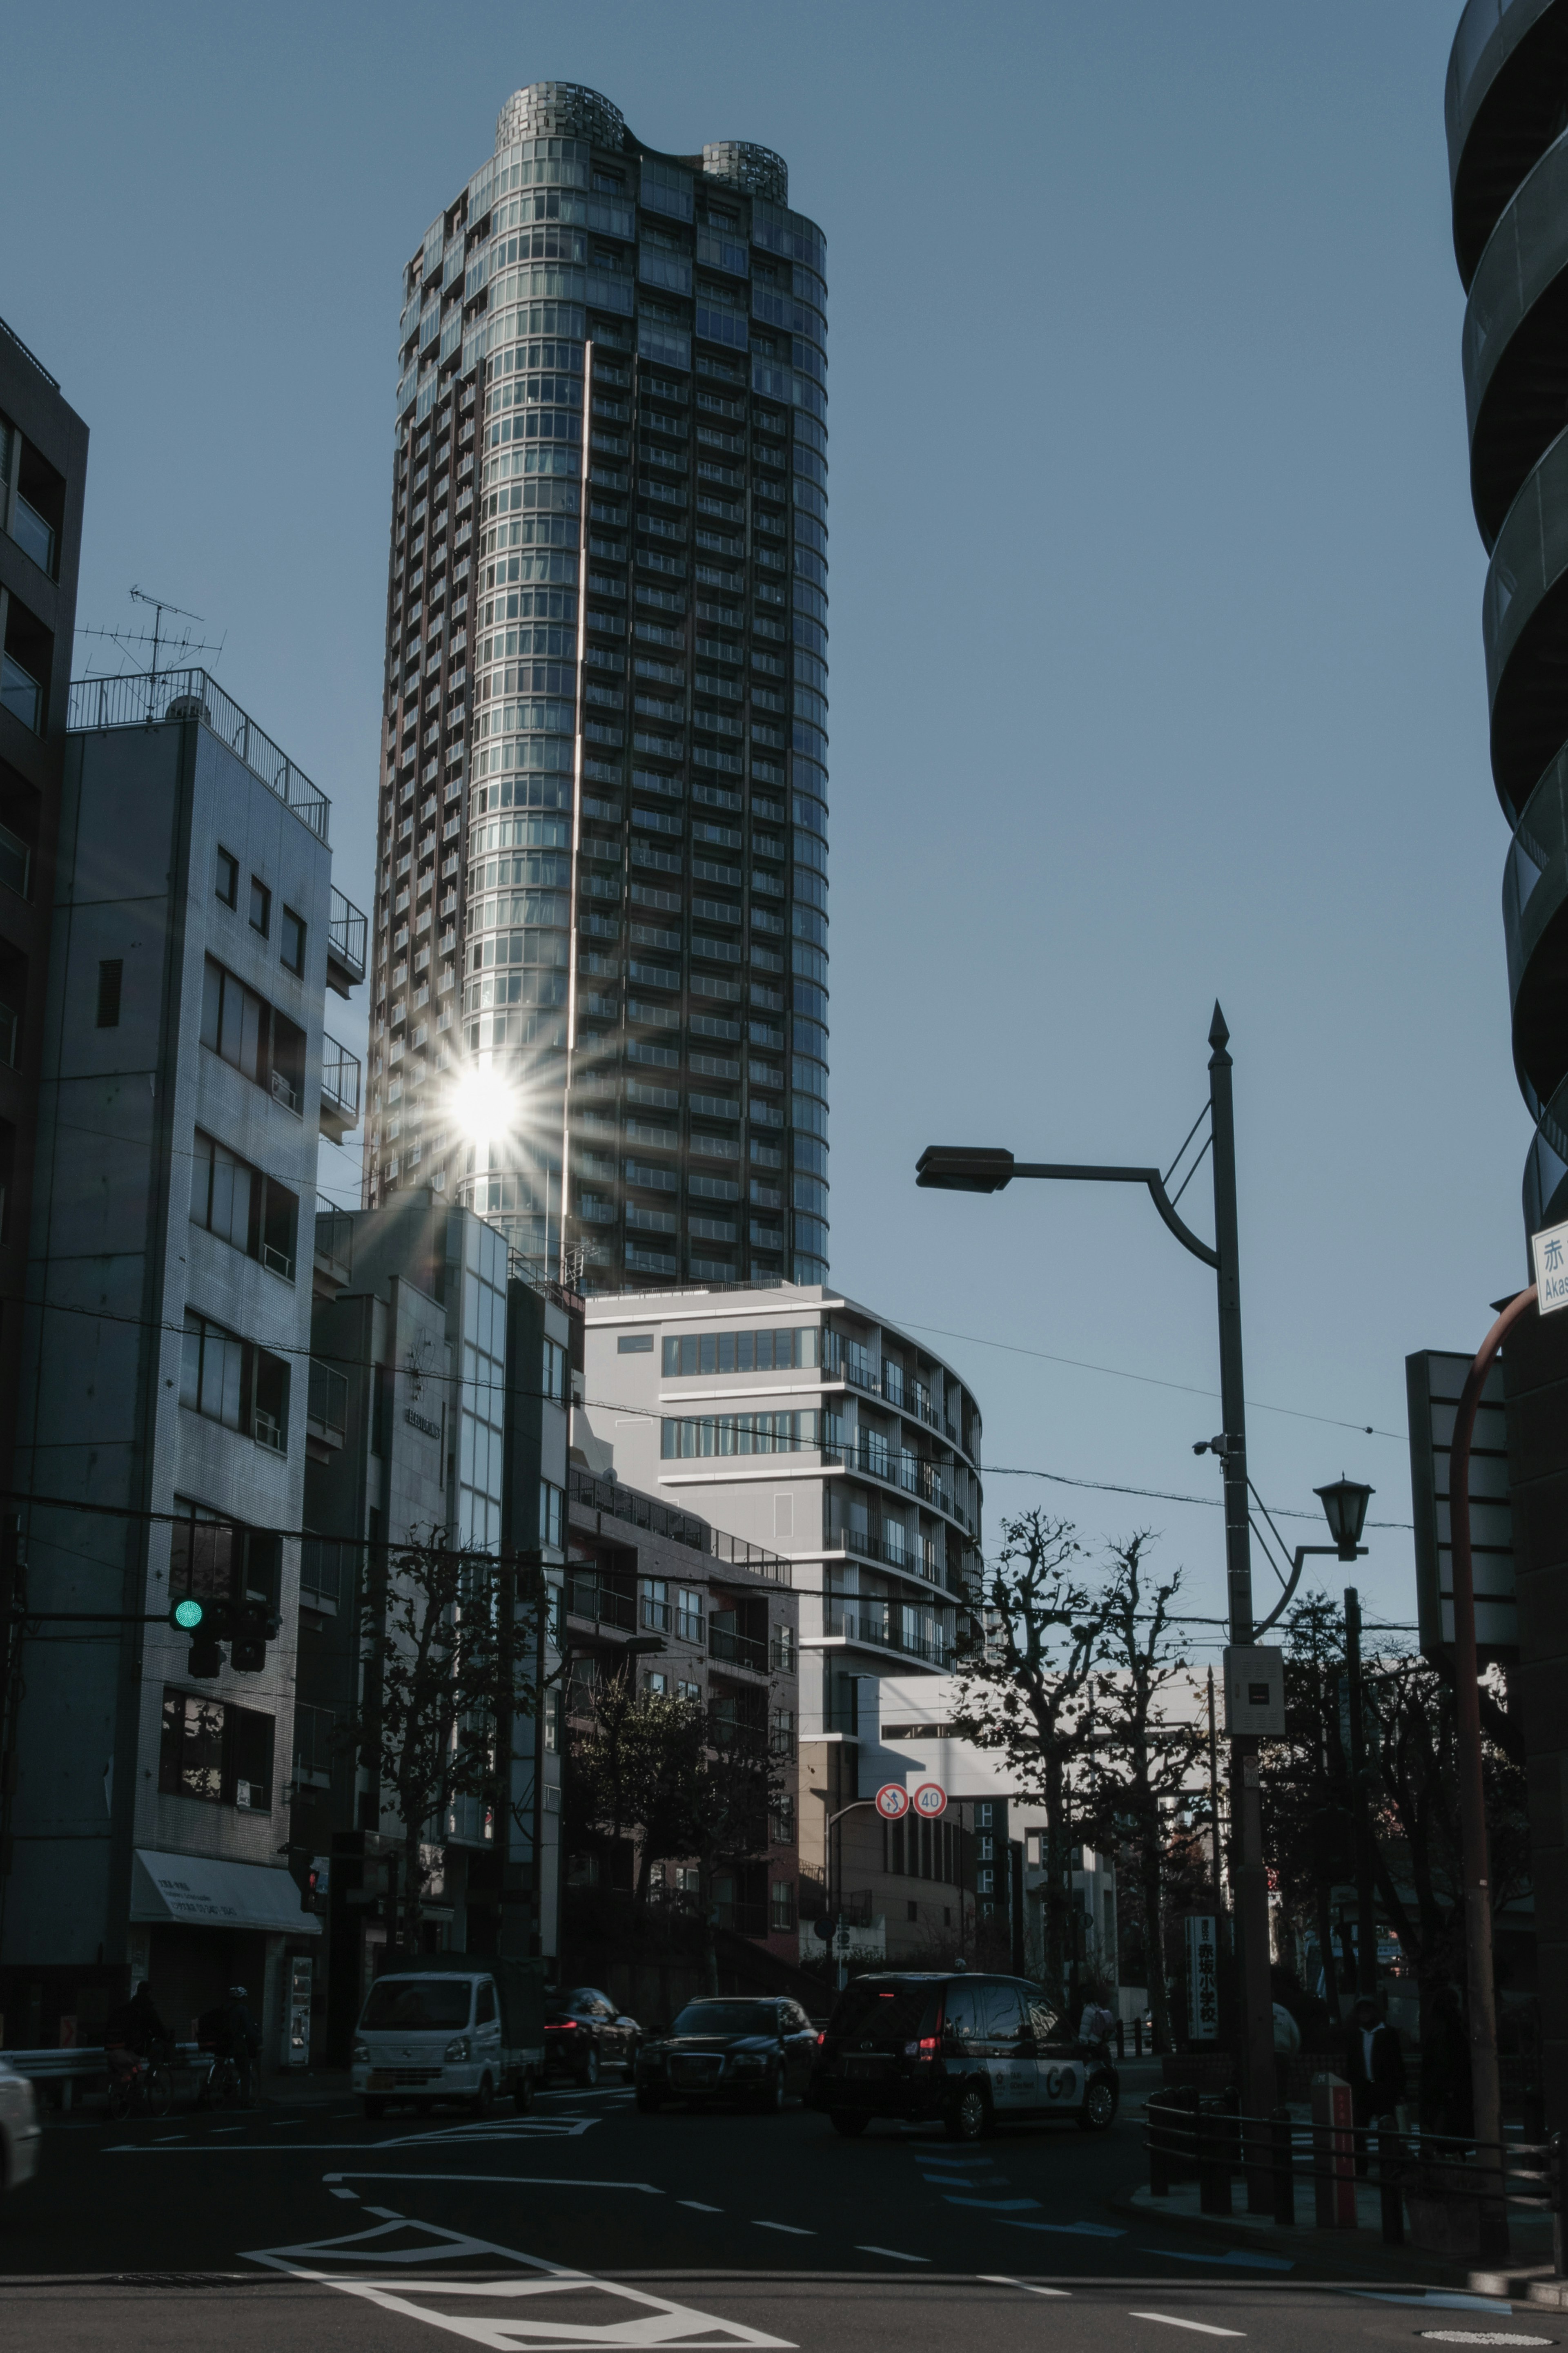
(1097, 2024)
(1374, 2070)
(244, 2040)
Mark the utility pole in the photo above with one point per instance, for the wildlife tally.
(1361, 1800)
(1250, 1879)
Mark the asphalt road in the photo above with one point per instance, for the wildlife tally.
(586, 2224)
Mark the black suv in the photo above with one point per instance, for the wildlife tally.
(974, 2051)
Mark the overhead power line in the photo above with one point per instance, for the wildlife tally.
(1153, 1381)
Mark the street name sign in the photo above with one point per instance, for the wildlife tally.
(1550, 1250)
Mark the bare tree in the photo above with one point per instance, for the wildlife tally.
(444, 1657)
(684, 1782)
(1143, 1756)
(1025, 1685)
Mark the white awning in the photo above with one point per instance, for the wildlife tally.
(199, 1891)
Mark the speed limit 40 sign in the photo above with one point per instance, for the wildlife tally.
(930, 1800)
(892, 1801)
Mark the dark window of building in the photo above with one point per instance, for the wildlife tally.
(227, 1379)
(25, 666)
(39, 513)
(213, 1751)
(293, 951)
(243, 1206)
(247, 1031)
(260, 907)
(110, 971)
(227, 882)
(190, 1762)
(220, 1560)
(13, 1002)
(634, 1344)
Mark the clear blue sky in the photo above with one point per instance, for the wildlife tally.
(1155, 615)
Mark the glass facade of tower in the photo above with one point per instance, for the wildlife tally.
(600, 932)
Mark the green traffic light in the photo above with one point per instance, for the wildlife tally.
(187, 1615)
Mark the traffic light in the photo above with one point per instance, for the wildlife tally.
(253, 1625)
(203, 1622)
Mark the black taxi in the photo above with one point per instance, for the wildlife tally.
(971, 2050)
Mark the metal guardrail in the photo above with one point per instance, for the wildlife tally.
(84, 2065)
(145, 698)
(1190, 2137)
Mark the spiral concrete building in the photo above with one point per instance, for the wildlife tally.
(1507, 106)
(600, 1011)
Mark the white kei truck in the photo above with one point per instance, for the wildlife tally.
(467, 2026)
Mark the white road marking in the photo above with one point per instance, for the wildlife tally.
(634, 2320)
(514, 2180)
(894, 2254)
(463, 2136)
(1080, 2230)
(387, 2213)
(342, 2193)
(1000, 2279)
(698, 2207)
(793, 2228)
(1204, 2328)
(998, 2205)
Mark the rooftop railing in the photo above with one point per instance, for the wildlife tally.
(149, 698)
(679, 1527)
(32, 358)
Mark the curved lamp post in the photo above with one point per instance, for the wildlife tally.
(967, 1170)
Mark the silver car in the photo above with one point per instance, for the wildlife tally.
(18, 2131)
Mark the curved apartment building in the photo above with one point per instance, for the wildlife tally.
(801, 1421)
(1507, 106)
(600, 1010)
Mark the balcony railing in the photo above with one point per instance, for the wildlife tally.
(886, 1633)
(335, 1241)
(340, 1089)
(327, 1410)
(737, 1650)
(869, 1547)
(145, 699)
(347, 935)
(327, 1573)
(587, 1598)
(914, 1476)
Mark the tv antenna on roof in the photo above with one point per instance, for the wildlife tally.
(130, 642)
(140, 596)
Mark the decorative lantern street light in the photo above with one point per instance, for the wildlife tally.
(1344, 1507)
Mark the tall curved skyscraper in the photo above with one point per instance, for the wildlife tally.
(1508, 153)
(600, 963)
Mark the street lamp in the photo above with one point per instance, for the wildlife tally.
(986, 1169)
(1344, 1507)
